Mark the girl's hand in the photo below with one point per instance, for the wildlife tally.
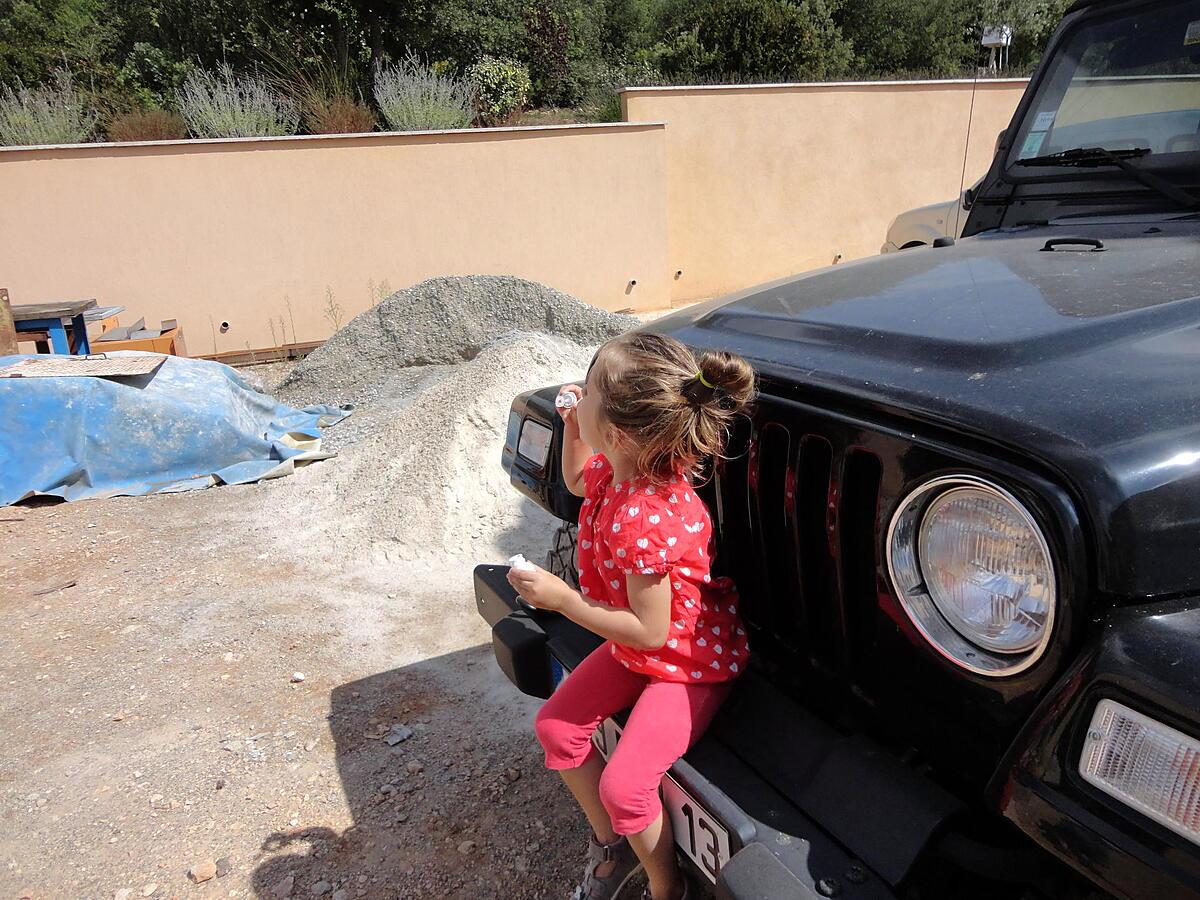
(539, 588)
(568, 413)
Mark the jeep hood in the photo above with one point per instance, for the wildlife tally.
(1086, 362)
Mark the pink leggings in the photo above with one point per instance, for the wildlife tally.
(667, 718)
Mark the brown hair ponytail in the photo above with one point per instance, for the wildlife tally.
(676, 408)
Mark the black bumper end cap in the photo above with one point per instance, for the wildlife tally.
(520, 647)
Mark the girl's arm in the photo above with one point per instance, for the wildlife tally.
(643, 626)
(574, 451)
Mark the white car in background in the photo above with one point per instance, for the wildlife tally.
(921, 226)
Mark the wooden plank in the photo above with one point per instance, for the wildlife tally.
(8, 330)
(83, 366)
(58, 309)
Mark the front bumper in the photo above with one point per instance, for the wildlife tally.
(789, 790)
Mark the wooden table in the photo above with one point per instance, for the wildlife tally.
(49, 318)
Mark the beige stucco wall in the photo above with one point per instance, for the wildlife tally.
(741, 185)
(235, 230)
(764, 181)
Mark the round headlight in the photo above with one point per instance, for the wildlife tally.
(973, 571)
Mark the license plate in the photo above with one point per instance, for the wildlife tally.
(697, 833)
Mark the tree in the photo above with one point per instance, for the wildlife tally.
(786, 39)
(38, 37)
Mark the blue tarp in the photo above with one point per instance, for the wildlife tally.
(189, 425)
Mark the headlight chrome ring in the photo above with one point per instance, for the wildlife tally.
(975, 651)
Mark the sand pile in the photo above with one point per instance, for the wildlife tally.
(442, 321)
(434, 370)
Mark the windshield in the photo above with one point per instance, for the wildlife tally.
(1123, 82)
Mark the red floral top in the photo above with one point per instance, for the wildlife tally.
(634, 527)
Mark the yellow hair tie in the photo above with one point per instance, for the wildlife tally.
(704, 381)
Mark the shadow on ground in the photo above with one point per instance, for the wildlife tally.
(461, 808)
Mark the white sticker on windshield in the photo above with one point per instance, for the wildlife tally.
(1193, 34)
(1044, 120)
(1032, 146)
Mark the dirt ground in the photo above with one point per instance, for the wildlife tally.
(155, 720)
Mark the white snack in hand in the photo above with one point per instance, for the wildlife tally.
(520, 563)
(566, 400)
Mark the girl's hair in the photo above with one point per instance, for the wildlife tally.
(676, 407)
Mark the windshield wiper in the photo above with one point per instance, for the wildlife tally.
(1087, 157)
(1084, 156)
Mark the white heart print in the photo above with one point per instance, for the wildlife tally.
(733, 667)
(615, 583)
(672, 540)
(715, 665)
(616, 527)
(689, 603)
(702, 643)
(671, 668)
(633, 511)
(695, 674)
(587, 545)
(718, 649)
(643, 543)
(679, 625)
(674, 499)
(655, 519)
(716, 629)
(608, 563)
(621, 552)
(673, 643)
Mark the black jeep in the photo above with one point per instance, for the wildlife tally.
(965, 522)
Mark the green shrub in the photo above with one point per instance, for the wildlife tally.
(147, 125)
(220, 104)
(413, 97)
(53, 113)
(600, 80)
(501, 88)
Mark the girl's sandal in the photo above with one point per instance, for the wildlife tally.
(625, 866)
(686, 895)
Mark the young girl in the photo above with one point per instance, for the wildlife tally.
(674, 641)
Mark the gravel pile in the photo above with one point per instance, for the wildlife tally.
(442, 321)
(433, 371)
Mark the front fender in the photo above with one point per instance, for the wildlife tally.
(1148, 658)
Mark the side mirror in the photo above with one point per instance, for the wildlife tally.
(968, 197)
(999, 141)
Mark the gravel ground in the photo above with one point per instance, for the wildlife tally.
(246, 691)
(153, 723)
